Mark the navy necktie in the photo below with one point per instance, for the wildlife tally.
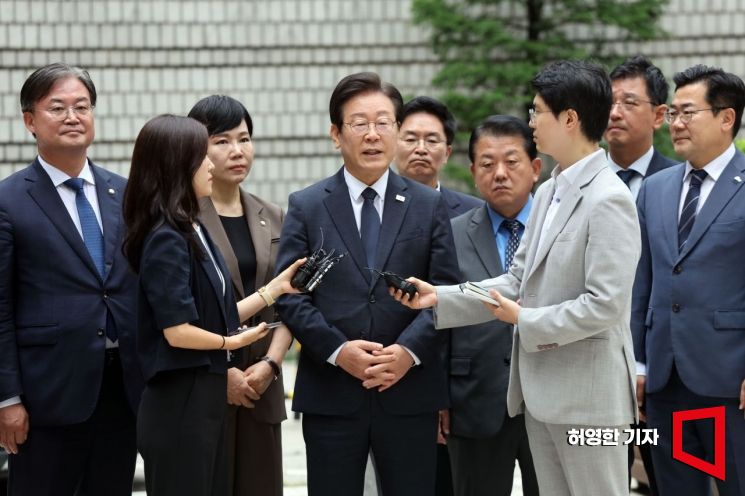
(688, 214)
(369, 226)
(92, 235)
(513, 226)
(626, 176)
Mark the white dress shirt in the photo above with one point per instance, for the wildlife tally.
(640, 165)
(356, 187)
(563, 179)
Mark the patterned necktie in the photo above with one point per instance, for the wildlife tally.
(688, 214)
(92, 235)
(626, 176)
(513, 226)
(369, 226)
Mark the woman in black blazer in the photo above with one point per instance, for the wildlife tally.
(187, 315)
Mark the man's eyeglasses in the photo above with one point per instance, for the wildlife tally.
(60, 112)
(429, 143)
(533, 114)
(685, 115)
(382, 126)
(629, 104)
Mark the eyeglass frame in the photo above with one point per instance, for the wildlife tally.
(632, 102)
(351, 125)
(79, 110)
(427, 145)
(533, 114)
(686, 115)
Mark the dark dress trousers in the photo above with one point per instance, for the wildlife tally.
(55, 308)
(182, 418)
(342, 420)
(688, 323)
(484, 441)
(656, 164)
(254, 434)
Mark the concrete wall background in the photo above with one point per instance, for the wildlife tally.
(281, 58)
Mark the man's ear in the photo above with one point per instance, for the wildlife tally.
(728, 118)
(536, 165)
(28, 121)
(659, 116)
(571, 119)
(334, 133)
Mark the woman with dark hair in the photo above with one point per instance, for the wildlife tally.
(246, 230)
(187, 314)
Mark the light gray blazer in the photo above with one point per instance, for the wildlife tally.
(572, 356)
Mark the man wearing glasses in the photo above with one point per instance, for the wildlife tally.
(567, 292)
(639, 104)
(424, 146)
(688, 312)
(370, 376)
(69, 378)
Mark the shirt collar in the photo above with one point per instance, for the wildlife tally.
(356, 187)
(58, 177)
(522, 216)
(566, 178)
(715, 168)
(640, 165)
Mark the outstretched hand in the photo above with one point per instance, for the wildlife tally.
(281, 284)
(507, 311)
(425, 297)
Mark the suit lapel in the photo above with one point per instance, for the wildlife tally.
(46, 196)
(211, 221)
(261, 235)
(723, 191)
(209, 269)
(481, 234)
(339, 206)
(567, 206)
(394, 210)
(109, 206)
(671, 201)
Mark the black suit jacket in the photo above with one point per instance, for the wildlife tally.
(479, 362)
(458, 203)
(177, 286)
(352, 303)
(54, 304)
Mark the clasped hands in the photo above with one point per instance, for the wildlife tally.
(426, 297)
(245, 387)
(377, 366)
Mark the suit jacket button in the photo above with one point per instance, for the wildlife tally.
(676, 308)
(100, 332)
(105, 296)
(507, 362)
(371, 299)
(677, 269)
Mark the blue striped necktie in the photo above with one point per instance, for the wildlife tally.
(92, 235)
(688, 214)
(369, 226)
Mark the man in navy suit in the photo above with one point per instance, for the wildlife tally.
(688, 313)
(370, 376)
(425, 142)
(69, 378)
(639, 103)
(424, 145)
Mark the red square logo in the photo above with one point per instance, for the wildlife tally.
(717, 469)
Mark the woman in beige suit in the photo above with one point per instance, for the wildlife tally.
(246, 230)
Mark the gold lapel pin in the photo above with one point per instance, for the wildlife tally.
(262, 222)
(111, 191)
